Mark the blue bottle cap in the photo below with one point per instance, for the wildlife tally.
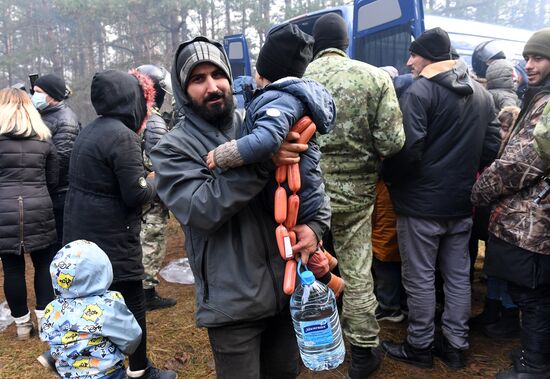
(307, 278)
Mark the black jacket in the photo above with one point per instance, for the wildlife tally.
(451, 132)
(64, 126)
(107, 188)
(28, 168)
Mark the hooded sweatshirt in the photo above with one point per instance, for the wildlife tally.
(450, 133)
(88, 328)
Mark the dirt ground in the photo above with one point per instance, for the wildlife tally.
(175, 342)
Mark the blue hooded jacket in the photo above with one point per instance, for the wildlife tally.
(269, 117)
(89, 328)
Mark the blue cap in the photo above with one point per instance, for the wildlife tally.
(307, 278)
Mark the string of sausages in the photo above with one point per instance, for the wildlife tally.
(286, 207)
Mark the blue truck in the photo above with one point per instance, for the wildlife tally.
(381, 32)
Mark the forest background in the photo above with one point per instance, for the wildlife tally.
(77, 38)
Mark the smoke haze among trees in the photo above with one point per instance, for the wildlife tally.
(76, 38)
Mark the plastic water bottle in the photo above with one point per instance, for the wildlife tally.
(316, 323)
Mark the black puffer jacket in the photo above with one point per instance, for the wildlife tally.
(64, 126)
(28, 168)
(107, 188)
(451, 132)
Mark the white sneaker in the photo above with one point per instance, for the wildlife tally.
(24, 327)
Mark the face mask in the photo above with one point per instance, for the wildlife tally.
(39, 100)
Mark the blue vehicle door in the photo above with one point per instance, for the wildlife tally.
(383, 31)
(237, 50)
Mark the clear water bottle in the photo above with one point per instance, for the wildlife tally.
(316, 323)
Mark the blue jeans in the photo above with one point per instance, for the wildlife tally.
(387, 284)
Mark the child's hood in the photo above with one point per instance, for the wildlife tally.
(81, 269)
(314, 96)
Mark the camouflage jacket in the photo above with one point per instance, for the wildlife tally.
(542, 134)
(512, 183)
(369, 127)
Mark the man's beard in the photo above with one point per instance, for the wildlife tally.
(216, 113)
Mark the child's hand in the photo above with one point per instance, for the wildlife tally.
(210, 160)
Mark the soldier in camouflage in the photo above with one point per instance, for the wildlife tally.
(518, 249)
(368, 128)
(155, 216)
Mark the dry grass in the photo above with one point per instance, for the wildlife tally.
(175, 342)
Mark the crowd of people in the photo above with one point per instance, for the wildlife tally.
(404, 177)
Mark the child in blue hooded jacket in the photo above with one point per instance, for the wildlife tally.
(89, 328)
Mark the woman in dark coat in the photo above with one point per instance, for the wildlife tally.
(108, 187)
(28, 171)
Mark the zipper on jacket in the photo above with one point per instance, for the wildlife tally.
(204, 270)
(21, 226)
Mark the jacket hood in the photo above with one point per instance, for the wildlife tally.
(81, 269)
(451, 74)
(314, 96)
(123, 96)
(179, 88)
(499, 75)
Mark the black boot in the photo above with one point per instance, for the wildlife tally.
(364, 361)
(404, 352)
(508, 327)
(524, 368)
(451, 356)
(490, 314)
(154, 301)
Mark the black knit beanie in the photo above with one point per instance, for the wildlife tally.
(287, 51)
(330, 31)
(433, 44)
(54, 86)
(538, 44)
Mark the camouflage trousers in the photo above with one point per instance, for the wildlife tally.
(352, 241)
(153, 243)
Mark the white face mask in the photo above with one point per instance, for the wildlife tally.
(39, 100)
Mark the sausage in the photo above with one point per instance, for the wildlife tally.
(306, 135)
(289, 281)
(293, 177)
(292, 211)
(293, 239)
(280, 205)
(301, 125)
(283, 242)
(280, 174)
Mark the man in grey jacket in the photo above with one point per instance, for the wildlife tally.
(230, 234)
